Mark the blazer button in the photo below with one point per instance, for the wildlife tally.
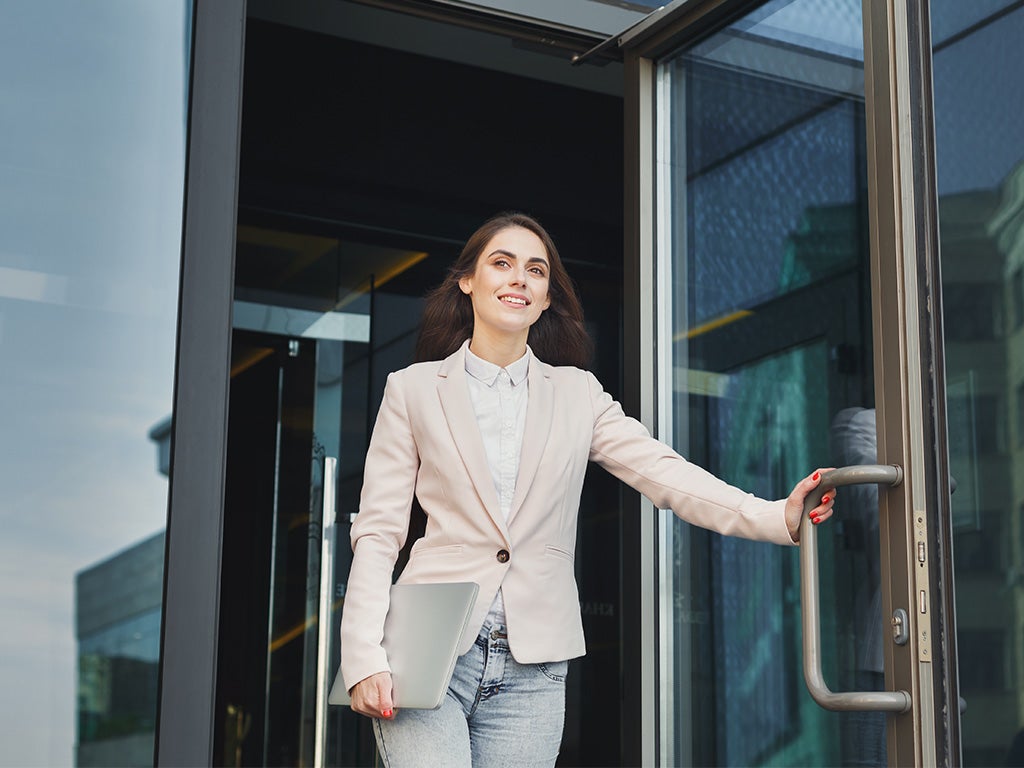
(503, 555)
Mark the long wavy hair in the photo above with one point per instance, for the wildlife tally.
(559, 336)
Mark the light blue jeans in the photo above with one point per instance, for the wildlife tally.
(498, 712)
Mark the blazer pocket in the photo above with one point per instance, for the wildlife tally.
(556, 552)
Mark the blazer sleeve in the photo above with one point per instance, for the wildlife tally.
(378, 534)
(624, 447)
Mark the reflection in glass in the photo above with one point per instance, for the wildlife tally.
(979, 110)
(118, 629)
(319, 322)
(764, 281)
(93, 117)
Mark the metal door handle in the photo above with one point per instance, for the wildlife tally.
(327, 534)
(886, 701)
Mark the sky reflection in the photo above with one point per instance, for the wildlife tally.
(91, 170)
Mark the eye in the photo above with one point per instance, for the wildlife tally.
(501, 262)
(539, 271)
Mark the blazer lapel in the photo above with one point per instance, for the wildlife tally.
(539, 408)
(453, 391)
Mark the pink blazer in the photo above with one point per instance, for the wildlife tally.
(426, 442)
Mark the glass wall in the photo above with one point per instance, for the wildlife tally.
(979, 111)
(93, 114)
(765, 373)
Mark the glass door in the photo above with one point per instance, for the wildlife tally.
(979, 110)
(319, 320)
(788, 309)
(766, 343)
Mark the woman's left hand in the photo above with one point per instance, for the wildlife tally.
(795, 504)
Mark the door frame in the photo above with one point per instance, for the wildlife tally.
(910, 377)
(191, 604)
(908, 351)
(186, 716)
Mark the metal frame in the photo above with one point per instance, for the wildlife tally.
(188, 653)
(679, 22)
(640, 532)
(572, 41)
(909, 375)
(660, 389)
(186, 714)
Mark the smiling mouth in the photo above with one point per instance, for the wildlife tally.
(515, 301)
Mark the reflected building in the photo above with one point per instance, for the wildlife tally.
(117, 625)
(983, 298)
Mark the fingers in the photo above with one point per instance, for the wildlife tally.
(364, 699)
(372, 696)
(823, 511)
(386, 703)
(812, 480)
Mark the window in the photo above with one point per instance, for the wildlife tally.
(93, 163)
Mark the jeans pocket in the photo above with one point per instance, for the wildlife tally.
(555, 671)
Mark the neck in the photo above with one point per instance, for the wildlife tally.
(502, 351)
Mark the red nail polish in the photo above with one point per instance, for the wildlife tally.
(814, 517)
(386, 713)
(826, 499)
(816, 520)
(815, 476)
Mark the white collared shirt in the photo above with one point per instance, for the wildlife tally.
(499, 397)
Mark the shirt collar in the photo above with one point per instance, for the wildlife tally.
(487, 372)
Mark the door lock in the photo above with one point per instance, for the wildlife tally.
(900, 627)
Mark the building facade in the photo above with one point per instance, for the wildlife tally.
(795, 227)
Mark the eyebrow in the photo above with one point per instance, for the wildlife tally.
(534, 260)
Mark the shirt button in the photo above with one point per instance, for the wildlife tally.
(503, 555)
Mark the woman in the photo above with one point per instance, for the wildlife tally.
(493, 437)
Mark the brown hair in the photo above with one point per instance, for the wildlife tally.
(558, 337)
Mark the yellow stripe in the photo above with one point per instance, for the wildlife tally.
(712, 325)
(300, 629)
(378, 280)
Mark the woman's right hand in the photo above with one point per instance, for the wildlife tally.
(371, 696)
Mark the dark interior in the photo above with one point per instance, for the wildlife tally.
(353, 143)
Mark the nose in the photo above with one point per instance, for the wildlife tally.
(517, 276)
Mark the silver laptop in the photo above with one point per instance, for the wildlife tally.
(421, 638)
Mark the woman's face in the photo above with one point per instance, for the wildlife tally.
(509, 287)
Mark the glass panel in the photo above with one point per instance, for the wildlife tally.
(319, 322)
(93, 117)
(979, 110)
(763, 295)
